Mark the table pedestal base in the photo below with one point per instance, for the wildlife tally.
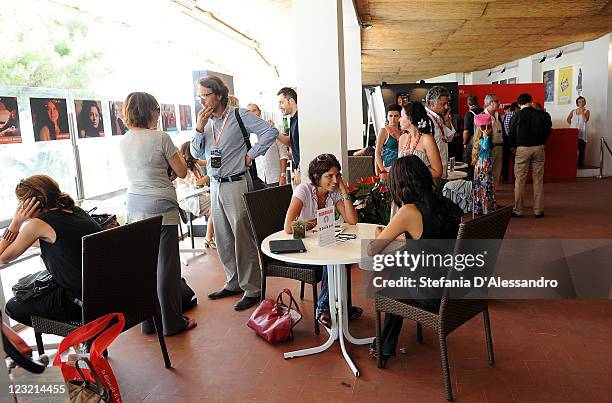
(336, 278)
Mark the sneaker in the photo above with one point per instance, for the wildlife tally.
(516, 215)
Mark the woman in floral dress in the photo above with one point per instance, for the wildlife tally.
(483, 185)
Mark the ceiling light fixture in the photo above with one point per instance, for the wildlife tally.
(365, 25)
(489, 75)
(543, 59)
(559, 54)
(503, 70)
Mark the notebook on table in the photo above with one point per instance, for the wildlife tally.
(287, 246)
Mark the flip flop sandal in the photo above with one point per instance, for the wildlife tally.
(355, 312)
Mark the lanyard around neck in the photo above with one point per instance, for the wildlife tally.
(434, 118)
(216, 137)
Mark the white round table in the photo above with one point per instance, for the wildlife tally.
(453, 176)
(335, 256)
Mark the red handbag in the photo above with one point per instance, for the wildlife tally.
(273, 320)
(101, 342)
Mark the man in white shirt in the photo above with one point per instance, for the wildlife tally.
(438, 109)
(271, 166)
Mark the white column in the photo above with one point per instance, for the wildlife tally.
(352, 77)
(597, 89)
(320, 68)
(525, 70)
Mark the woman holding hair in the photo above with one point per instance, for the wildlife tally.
(90, 120)
(51, 125)
(197, 175)
(578, 119)
(147, 155)
(424, 214)
(483, 184)
(326, 189)
(57, 225)
(386, 142)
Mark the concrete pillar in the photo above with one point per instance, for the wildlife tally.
(352, 77)
(320, 68)
(597, 89)
(525, 70)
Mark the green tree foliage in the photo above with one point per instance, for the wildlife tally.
(46, 51)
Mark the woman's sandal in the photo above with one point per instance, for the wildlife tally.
(191, 323)
(373, 355)
(210, 243)
(354, 312)
(325, 319)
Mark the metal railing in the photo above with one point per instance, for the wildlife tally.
(603, 143)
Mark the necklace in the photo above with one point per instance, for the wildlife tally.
(409, 151)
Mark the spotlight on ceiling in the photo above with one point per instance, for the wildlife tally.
(543, 59)
(365, 25)
(559, 54)
(489, 75)
(503, 70)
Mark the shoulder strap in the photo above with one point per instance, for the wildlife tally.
(245, 135)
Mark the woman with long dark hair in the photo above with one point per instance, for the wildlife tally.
(58, 225)
(50, 121)
(90, 120)
(424, 214)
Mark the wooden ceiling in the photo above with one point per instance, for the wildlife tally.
(412, 40)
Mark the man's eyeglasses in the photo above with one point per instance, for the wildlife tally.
(203, 97)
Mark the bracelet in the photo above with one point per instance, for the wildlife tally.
(9, 235)
(347, 198)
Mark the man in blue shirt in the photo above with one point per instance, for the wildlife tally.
(287, 103)
(220, 141)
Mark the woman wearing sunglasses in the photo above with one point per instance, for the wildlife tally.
(484, 186)
(326, 189)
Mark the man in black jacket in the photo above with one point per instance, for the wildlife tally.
(529, 131)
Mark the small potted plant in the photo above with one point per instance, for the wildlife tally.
(299, 229)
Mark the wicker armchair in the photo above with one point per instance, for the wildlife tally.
(112, 261)
(267, 209)
(453, 312)
(360, 167)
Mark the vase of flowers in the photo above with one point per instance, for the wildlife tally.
(372, 200)
(299, 229)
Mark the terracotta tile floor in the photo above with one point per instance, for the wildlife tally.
(545, 351)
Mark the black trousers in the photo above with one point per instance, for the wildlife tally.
(581, 149)
(56, 305)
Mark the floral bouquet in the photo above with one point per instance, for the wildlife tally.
(372, 200)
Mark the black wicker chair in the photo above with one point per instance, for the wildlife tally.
(453, 312)
(267, 209)
(360, 167)
(119, 275)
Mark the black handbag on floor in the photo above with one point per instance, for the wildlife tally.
(258, 184)
(34, 285)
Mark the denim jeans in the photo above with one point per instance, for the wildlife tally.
(323, 301)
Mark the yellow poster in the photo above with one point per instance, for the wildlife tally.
(565, 86)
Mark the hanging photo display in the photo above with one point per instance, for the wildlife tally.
(118, 127)
(565, 85)
(89, 118)
(548, 78)
(49, 119)
(10, 131)
(185, 114)
(168, 116)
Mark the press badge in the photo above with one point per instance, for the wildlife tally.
(215, 158)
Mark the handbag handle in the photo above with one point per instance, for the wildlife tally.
(92, 371)
(292, 300)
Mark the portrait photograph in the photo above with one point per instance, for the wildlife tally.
(49, 119)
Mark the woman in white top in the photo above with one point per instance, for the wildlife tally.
(326, 189)
(578, 119)
(417, 137)
(147, 155)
